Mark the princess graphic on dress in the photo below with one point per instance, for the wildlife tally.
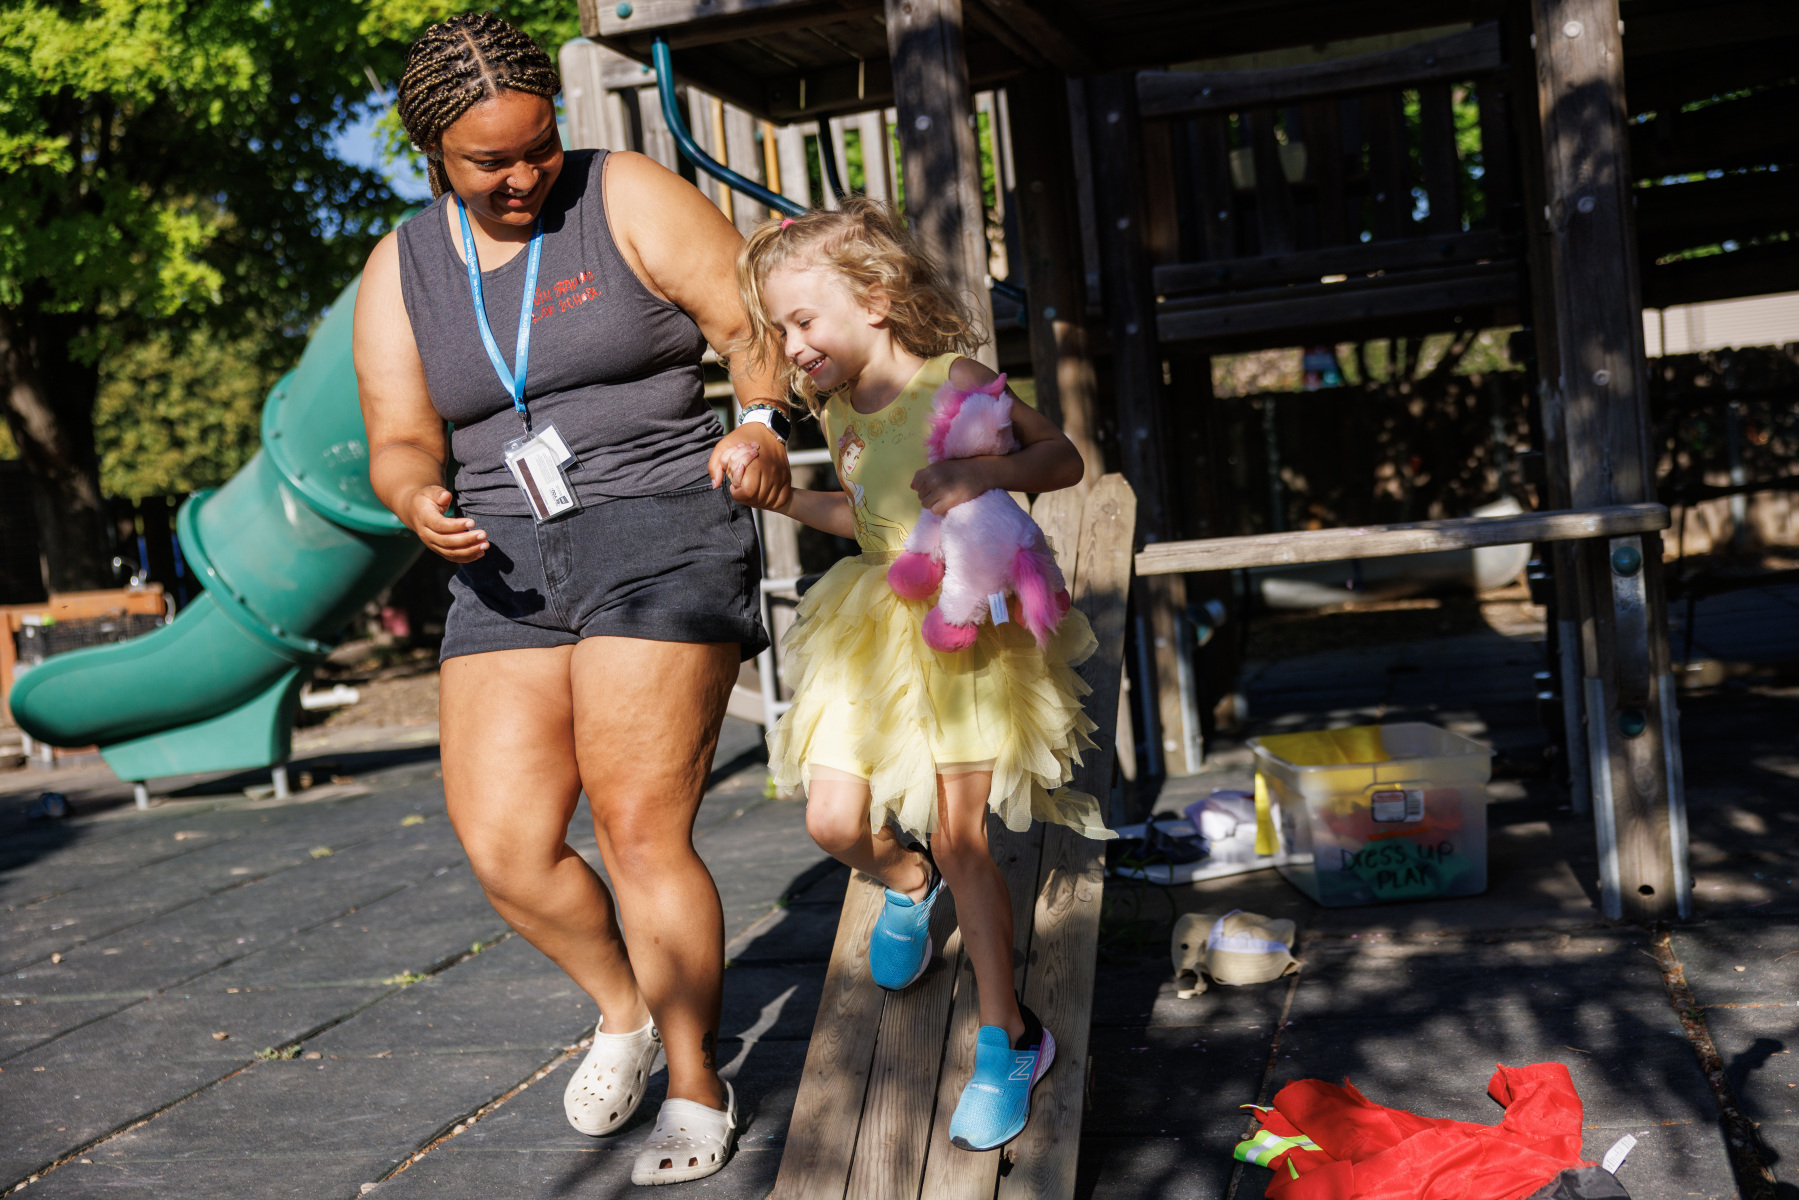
(871, 527)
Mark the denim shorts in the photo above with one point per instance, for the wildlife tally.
(679, 567)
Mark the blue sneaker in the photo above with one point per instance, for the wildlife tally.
(997, 1101)
(899, 949)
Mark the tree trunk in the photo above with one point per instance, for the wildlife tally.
(49, 408)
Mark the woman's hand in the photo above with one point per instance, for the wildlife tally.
(760, 481)
(455, 538)
(942, 486)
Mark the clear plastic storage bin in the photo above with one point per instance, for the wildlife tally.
(1378, 813)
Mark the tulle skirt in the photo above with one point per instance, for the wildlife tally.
(872, 699)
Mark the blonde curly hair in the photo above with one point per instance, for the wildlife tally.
(869, 246)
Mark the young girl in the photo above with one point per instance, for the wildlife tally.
(884, 731)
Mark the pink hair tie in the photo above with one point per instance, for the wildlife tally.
(785, 222)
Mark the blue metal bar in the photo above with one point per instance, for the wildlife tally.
(827, 157)
(671, 113)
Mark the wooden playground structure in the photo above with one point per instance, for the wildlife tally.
(1191, 179)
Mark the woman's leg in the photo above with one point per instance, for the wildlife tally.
(511, 784)
(983, 904)
(837, 818)
(646, 720)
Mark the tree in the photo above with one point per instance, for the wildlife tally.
(180, 411)
(169, 167)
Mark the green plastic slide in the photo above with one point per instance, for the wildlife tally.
(288, 551)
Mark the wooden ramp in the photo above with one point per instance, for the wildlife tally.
(884, 1070)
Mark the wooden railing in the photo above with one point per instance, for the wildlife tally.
(1385, 541)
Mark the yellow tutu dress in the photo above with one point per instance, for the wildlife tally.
(872, 699)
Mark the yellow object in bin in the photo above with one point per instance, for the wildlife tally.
(1375, 813)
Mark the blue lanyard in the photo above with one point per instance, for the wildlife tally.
(513, 380)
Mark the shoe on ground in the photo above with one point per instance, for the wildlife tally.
(690, 1141)
(609, 1084)
(997, 1101)
(899, 949)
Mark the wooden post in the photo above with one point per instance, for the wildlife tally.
(1121, 217)
(871, 127)
(742, 156)
(1533, 196)
(940, 162)
(796, 180)
(1601, 407)
(1049, 239)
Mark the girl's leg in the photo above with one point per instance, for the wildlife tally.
(983, 904)
(646, 720)
(837, 818)
(511, 784)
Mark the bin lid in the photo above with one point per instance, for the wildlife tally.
(1365, 745)
(312, 427)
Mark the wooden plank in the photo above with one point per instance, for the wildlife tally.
(1058, 514)
(1599, 398)
(1389, 187)
(951, 1173)
(1065, 49)
(1059, 989)
(1749, 271)
(647, 16)
(1059, 975)
(941, 165)
(1458, 56)
(1341, 304)
(1144, 440)
(1218, 203)
(815, 1164)
(1680, 216)
(1437, 150)
(1384, 541)
(1274, 198)
(1323, 135)
(1049, 245)
(1101, 590)
(896, 1126)
(1309, 266)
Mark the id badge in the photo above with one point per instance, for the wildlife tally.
(537, 463)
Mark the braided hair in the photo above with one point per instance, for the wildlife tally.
(458, 63)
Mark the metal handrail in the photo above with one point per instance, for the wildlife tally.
(671, 113)
(827, 157)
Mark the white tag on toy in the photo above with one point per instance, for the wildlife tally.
(536, 464)
(1614, 1158)
(996, 608)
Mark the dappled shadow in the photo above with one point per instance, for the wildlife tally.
(1415, 1002)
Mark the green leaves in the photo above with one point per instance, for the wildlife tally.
(179, 412)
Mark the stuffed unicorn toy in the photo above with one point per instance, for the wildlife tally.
(980, 551)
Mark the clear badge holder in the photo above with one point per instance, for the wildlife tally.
(537, 461)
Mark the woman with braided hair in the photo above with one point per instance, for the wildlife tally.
(607, 590)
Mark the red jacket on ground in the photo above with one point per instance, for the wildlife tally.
(1368, 1152)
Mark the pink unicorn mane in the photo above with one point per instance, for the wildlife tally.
(946, 406)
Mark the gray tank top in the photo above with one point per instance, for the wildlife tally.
(615, 368)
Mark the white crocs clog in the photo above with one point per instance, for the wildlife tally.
(608, 1085)
(690, 1141)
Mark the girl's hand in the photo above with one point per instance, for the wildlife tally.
(455, 538)
(763, 481)
(735, 458)
(942, 486)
